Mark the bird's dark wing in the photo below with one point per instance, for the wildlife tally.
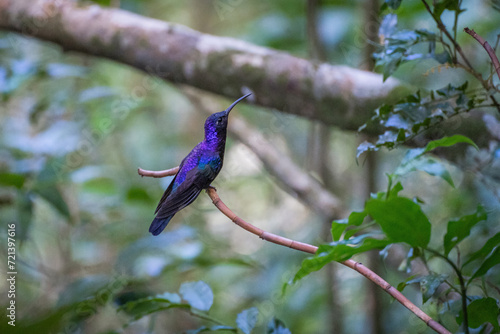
(186, 192)
(165, 194)
(170, 186)
(184, 195)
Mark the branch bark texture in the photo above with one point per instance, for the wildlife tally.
(487, 47)
(335, 95)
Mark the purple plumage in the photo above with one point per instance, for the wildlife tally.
(196, 172)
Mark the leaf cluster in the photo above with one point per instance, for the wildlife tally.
(416, 113)
(198, 297)
(390, 218)
(402, 46)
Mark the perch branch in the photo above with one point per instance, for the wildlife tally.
(307, 248)
(487, 47)
(158, 173)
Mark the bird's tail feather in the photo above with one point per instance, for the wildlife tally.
(159, 224)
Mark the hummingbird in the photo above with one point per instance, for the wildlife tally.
(196, 171)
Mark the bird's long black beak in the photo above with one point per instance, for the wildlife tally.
(235, 103)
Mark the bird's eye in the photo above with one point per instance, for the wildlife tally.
(219, 121)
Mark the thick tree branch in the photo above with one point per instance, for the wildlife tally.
(307, 248)
(335, 95)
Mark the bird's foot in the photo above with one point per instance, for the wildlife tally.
(211, 187)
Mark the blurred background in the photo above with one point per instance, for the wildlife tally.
(68, 177)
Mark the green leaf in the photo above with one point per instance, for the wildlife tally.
(394, 191)
(91, 292)
(353, 231)
(247, 319)
(103, 3)
(429, 165)
(435, 168)
(419, 111)
(393, 4)
(101, 185)
(55, 170)
(55, 321)
(145, 306)
(46, 186)
(276, 326)
(413, 159)
(489, 263)
(440, 6)
(492, 242)
(460, 229)
(339, 226)
(397, 46)
(137, 194)
(405, 265)
(429, 285)
(204, 329)
(141, 307)
(410, 280)
(442, 57)
(197, 294)
(12, 180)
(24, 214)
(364, 147)
(449, 141)
(391, 63)
(356, 218)
(52, 194)
(495, 4)
(401, 219)
(339, 251)
(483, 310)
(168, 297)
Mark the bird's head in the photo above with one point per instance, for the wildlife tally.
(216, 124)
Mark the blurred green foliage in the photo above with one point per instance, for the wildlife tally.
(74, 129)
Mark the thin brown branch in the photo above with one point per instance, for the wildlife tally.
(307, 248)
(158, 173)
(458, 48)
(487, 47)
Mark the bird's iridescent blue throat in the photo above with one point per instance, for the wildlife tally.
(196, 171)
